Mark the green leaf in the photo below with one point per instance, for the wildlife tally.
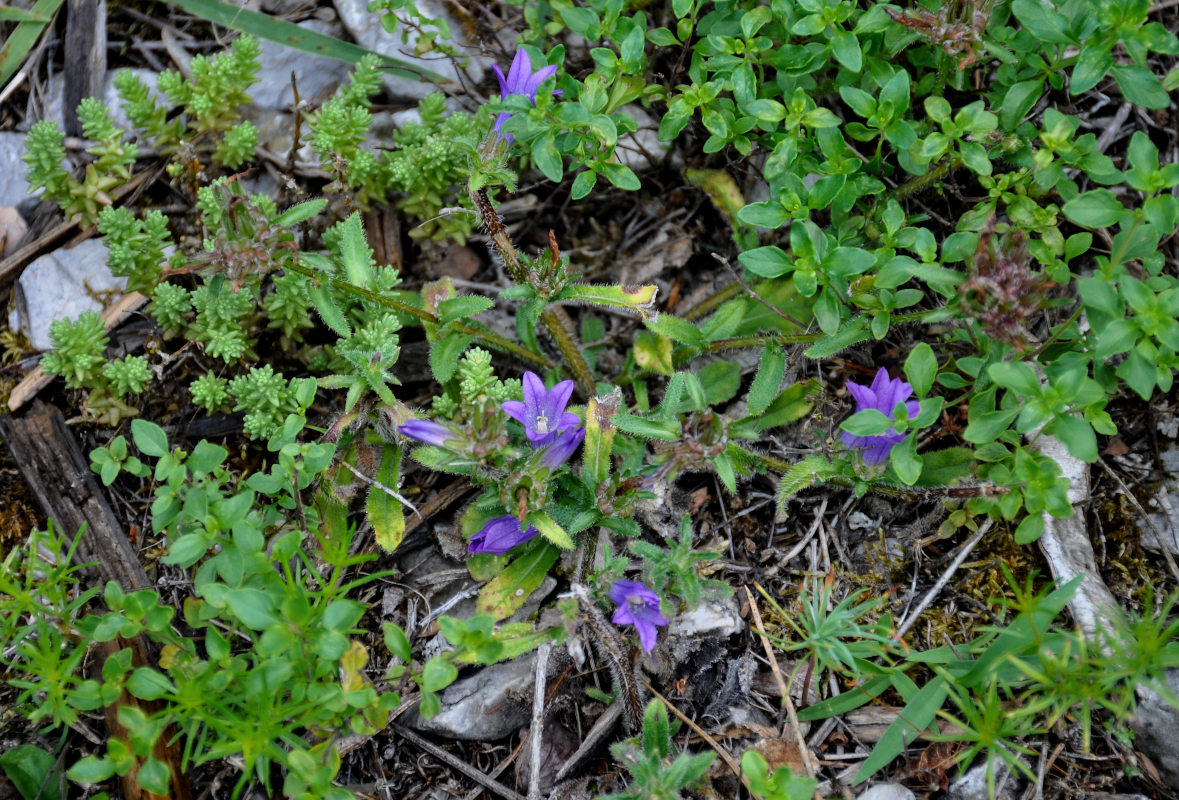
(905, 461)
(301, 212)
(549, 529)
(505, 594)
(621, 176)
(921, 369)
(253, 607)
(148, 684)
(583, 184)
(763, 215)
(639, 300)
(1042, 21)
(206, 457)
(91, 769)
(384, 511)
(462, 307)
(547, 158)
(397, 642)
(765, 385)
(1030, 529)
(149, 438)
(1141, 86)
(445, 353)
(582, 21)
(850, 334)
(768, 262)
(846, 49)
(653, 352)
(678, 330)
(1016, 375)
(906, 728)
(33, 772)
(1093, 63)
(437, 675)
(23, 37)
(667, 431)
(288, 34)
(329, 312)
(1077, 435)
(1098, 208)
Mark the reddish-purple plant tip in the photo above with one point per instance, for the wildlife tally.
(559, 451)
(426, 431)
(883, 396)
(638, 606)
(500, 535)
(542, 413)
(520, 80)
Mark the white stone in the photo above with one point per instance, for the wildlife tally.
(491, 704)
(317, 76)
(62, 285)
(973, 785)
(642, 149)
(710, 618)
(886, 791)
(13, 186)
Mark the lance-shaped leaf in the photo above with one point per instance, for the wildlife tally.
(384, 510)
(599, 437)
(639, 300)
(504, 595)
(549, 529)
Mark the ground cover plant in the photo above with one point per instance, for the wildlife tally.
(920, 278)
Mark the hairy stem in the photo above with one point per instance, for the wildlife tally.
(481, 334)
(560, 327)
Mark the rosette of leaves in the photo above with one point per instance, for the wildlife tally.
(111, 167)
(428, 167)
(267, 398)
(136, 246)
(78, 347)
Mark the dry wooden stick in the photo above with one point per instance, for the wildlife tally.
(696, 729)
(791, 712)
(455, 763)
(535, 733)
(944, 579)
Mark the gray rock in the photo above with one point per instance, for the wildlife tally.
(491, 704)
(642, 149)
(316, 76)
(886, 791)
(114, 103)
(973, 785)
(366, 28)
(13, 186)
(711, 618)
(1155, 723)
(62, 285)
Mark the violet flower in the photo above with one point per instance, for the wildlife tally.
(426, 431)
(542, 413)
(500, 535)
(520, 80)
(559, 451)
(638, 606)
(883, 395)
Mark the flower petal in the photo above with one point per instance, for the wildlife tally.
(558, 398)
(503, 82)
(537, 78)
(520, 70)
(516, 410)
(534, 395)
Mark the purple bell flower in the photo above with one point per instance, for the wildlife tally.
(520, 80)
(883, 395)
(638, 606)
(559, 451)
(500, 535)
(542, 413)
(426, 431)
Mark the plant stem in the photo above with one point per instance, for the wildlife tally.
(556, 320)
(560, 327)
(484, 336)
